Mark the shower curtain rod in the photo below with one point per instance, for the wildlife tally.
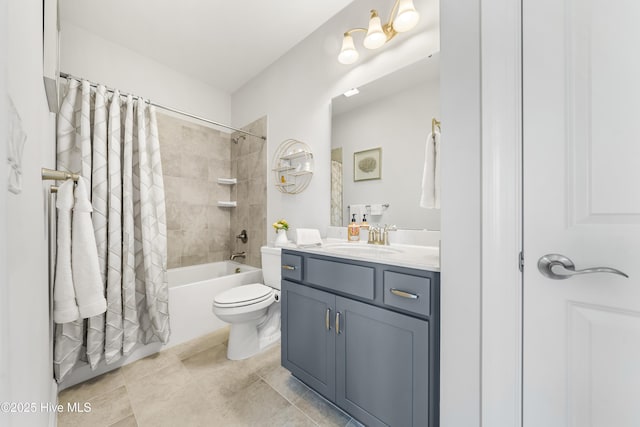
(164, 107)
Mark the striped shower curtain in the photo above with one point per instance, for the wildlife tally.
(113, 143)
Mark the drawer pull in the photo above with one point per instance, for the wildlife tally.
(327, 323)
(288, 267)
(337, 323)
(404, 294)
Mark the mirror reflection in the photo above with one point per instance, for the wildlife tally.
(378, 143)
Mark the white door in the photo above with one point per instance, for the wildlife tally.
(581, 121)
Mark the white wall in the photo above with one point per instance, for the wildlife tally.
(400, 124)
(27, 261)
(4, 294)
(460, 260)
(84, 54)
(295, 94)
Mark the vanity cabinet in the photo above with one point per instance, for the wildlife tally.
(371, 352)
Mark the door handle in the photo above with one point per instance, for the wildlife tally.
(337, 323)
(288, 267)
(567, 268)
(327, 323)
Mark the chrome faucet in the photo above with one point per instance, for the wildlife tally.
(235, 255)
(380, 235)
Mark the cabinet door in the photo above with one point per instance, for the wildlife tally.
(382, 365)
(308, 341)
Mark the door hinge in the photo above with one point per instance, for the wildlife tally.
(521, 261)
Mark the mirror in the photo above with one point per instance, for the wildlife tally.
(378, 142)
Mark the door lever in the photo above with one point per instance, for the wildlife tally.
(567, 268)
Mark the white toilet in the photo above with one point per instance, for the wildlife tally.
(253, 310)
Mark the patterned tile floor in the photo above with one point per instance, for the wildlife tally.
(194, 384)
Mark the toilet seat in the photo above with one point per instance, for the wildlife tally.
(244, 295)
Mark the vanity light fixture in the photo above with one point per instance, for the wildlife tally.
(351, 92)
(403, 18)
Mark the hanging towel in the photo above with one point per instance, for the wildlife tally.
(85, 267)
(376, 209)
(65, 308)
(430, 198)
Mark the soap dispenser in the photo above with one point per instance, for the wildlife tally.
(364, 224)
(354, 230)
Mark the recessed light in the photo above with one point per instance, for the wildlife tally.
(351, 92)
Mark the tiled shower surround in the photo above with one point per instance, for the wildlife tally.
(193, 158)
(249, 165)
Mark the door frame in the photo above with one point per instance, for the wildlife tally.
(502, 236)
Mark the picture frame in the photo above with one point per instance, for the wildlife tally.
(367, 164)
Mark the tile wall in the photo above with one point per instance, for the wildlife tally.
(193, 158)
(249, 165)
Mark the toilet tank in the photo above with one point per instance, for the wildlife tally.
(271, 266)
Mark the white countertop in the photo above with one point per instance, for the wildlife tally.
(411, 256)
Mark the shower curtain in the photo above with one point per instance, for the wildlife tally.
(113, 144)
(336, 194)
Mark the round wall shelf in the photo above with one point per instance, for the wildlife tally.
(292, 166)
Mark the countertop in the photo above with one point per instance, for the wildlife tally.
(411, 256)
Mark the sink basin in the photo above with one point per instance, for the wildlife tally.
(360, 249)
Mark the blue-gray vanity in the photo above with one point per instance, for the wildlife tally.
(365, 335)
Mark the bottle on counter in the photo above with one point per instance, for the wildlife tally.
(353, 230)
(364, 224)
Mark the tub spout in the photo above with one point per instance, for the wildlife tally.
(235, 255)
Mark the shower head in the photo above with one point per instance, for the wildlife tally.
(237, 139)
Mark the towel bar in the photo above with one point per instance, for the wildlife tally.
(51, 174)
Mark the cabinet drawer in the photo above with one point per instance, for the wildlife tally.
(350, 279)
(291, 267)
(407, 292)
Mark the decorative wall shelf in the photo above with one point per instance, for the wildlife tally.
(227, 181)
(227, 204)
(292, 166)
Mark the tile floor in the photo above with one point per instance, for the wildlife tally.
(194, 384)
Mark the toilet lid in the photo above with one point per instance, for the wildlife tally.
(243, 295)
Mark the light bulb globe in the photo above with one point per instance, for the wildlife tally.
(348, 53)
(375, 37)
(407, 16)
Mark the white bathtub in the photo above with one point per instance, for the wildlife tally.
(191, 293)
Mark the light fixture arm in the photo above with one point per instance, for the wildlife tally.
(354, 30)
(394, 10)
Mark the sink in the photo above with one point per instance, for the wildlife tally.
(360, 249)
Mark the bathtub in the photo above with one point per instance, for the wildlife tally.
(191, 293)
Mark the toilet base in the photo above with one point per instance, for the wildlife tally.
(247, 339)
(243, 341)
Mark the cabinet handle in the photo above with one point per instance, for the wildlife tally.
(337, 323)
(288, 267)
(404, 294)
(327, 323)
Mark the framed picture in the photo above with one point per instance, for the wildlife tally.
(367, 164)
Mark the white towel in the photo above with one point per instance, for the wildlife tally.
(87, 279)
(65, 309)
(376, 209)
(359, 210)
(308, 237)
(430, 198)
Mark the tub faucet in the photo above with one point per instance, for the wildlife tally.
(235, 255)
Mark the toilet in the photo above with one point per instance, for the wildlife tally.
(253, 310)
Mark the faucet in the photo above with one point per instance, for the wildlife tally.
(380, 235)
(235, 255)
(242, 236)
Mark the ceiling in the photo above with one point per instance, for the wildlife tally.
(223, 43)
(410, 76)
